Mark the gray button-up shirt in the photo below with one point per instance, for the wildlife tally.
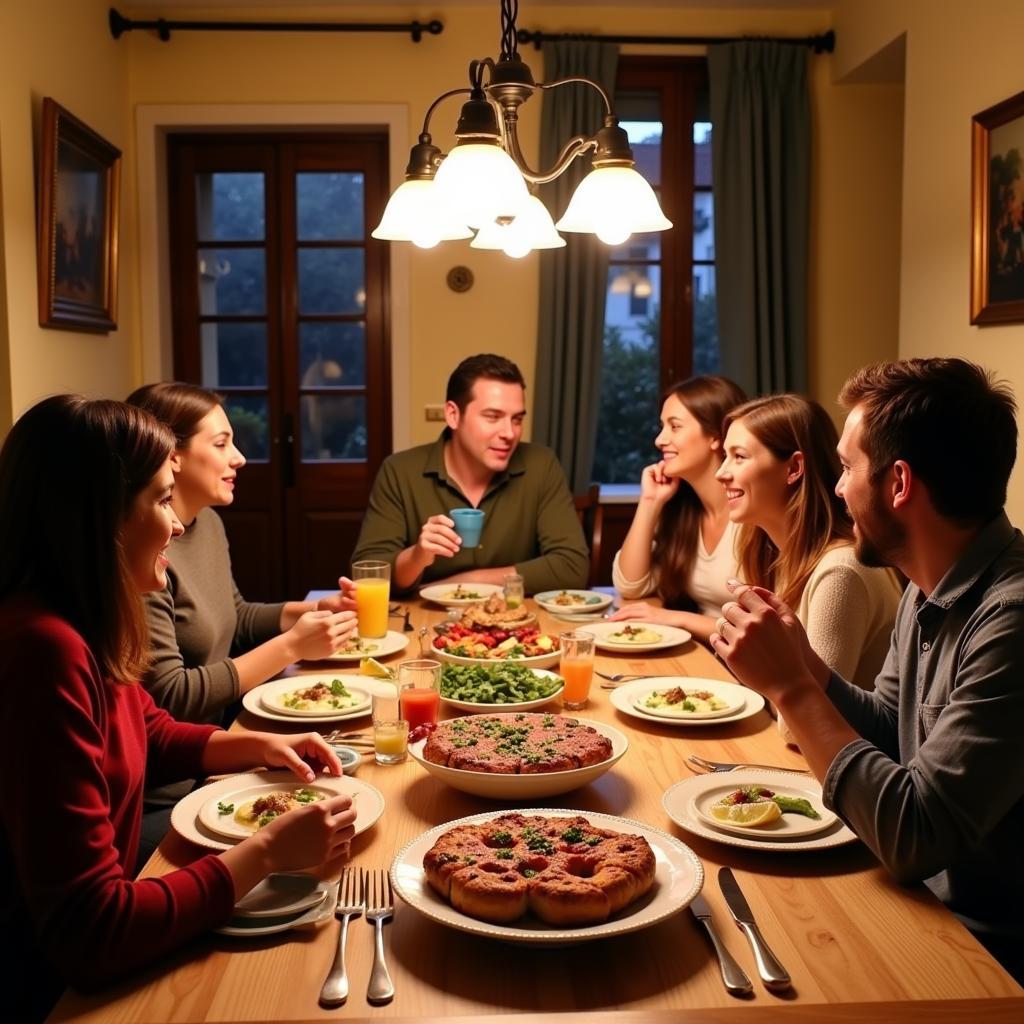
(936, 786)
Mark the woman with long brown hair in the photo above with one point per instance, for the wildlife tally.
(681, 544)
(86, 520)
(779, 476)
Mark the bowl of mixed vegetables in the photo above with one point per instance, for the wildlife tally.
(500, 686)
(485, 645)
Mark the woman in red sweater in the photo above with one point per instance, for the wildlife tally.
(85, 518)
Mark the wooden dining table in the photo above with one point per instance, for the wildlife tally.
(857, 944)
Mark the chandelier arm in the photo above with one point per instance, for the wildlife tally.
(576, 146)
(433, 106)
(584, 81)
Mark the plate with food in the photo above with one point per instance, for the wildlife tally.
(573, 601)
(458, 595)
(757, 809)
(668, 700)
(520, 755)
(252, 700)
(527, 646)
(501, 686)
(240, 814)
(553, 876)
(186, 813)
(311, 697)
(636, 636)
(359, 647)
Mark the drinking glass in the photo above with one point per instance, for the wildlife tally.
(390, 730)
(419, 690)
(373, 590)
(515, 590)
(577, 666)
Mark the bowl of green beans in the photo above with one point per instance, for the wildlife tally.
(504, 686)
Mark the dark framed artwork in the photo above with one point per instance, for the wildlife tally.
(79, 194)
(997, 213)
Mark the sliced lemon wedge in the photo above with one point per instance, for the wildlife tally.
(746, 815)
(372, 667)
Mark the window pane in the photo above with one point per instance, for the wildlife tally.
(332, 355)
(639, 247)
(645, 141)
(333, 427)
(232, 282)
(234, 355)
(330, 206)
(331, 281)
(633, 299)
(229, 207)
(250, 419)
(703, 226)
(705, 322)
(702, 153)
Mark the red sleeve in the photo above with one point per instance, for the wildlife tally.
(71, 815)
(174, 749)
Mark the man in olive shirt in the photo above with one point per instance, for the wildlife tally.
(478, 462)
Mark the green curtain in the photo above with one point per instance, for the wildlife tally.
(761, 176)
(573, 280)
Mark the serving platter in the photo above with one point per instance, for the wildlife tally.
(531, 786)
(678, 876)
(623, 698)
(686, 801)
(369, 802)
(437, 593)
(606, 640)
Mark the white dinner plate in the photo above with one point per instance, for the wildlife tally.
(440, 593)
(624, 698)
(252, 700)
(684, 802)
(524, 705)
(531, 786)
(668, 636)
(378, 647)
(678, 877)
(245, 926)
(787, 826)
(224, 824)
(369, 802)
(735, 698)
(282, 895)
(272, 696)
(580, 601)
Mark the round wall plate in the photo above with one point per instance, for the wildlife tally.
(460, 279)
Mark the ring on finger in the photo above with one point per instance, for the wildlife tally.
(720, 624)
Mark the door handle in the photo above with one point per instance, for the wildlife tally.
(287, 450)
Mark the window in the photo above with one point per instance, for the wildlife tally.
(660, 318)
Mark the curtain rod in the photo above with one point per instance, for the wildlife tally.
(824, 43)
(119, 24)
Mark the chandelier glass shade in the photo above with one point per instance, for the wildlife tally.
(484, 184)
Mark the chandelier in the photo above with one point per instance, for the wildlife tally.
(484, 189)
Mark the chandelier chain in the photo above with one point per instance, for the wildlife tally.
(509, 14)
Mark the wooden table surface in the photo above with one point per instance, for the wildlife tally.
(855, 942)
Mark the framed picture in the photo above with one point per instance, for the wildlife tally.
(79, 192)
(997, 213)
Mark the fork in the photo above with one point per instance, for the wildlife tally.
(726, 766)
(380, 907)
(401, 613)
(623, 677)
(351, 903)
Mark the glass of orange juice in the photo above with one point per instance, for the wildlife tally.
(419, 689)
(373, 589)
(577, 666)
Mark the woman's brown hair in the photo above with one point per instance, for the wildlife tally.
(816, 518)
(708, 399)
(181, 406)
(70, 470)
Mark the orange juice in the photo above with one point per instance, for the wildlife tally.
(577, 673)
(420, 705)
(372, 606)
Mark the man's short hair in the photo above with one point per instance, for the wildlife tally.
(480, 367)
(950, 420)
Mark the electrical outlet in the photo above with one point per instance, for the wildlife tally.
(434, 413)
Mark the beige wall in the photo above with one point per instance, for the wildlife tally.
(960, 60)
(63, 49)
(855, 232)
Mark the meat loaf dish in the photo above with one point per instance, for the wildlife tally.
(516, 744)
(564, 870)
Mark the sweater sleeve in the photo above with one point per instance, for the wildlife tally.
(838, 617)
(257, 622)
(189, 694)
(631, 590)
(92, 922)
(564, 560)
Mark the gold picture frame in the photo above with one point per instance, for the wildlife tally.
(79, 197)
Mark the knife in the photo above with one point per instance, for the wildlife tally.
(772, 973)
(733, 976)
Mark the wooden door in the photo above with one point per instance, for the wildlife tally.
(280, 302)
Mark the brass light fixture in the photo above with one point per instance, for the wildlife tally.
(484, 184)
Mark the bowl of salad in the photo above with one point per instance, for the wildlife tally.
(526, 645)
(499, 686)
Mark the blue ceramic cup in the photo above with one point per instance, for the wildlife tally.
(469, 523)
